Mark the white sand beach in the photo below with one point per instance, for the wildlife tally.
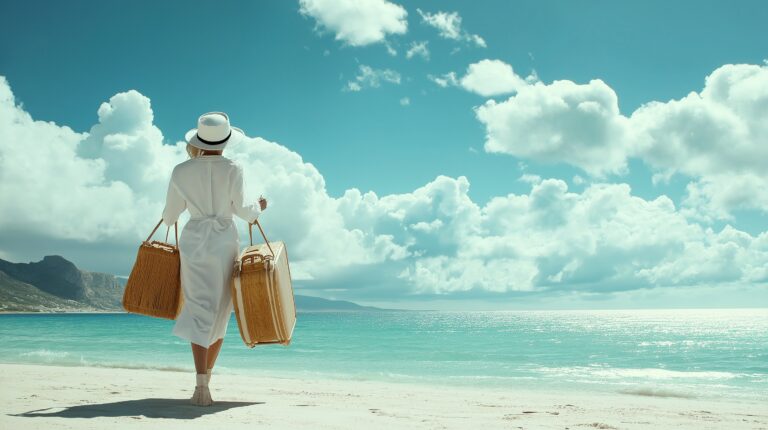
(56, 397)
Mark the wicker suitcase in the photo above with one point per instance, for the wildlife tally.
(262, 293)
(154, 285)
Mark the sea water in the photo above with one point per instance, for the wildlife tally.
(676, 353)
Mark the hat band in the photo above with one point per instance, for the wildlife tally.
(214, 142)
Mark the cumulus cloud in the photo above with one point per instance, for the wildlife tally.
(715, 196)
(717, 137)
(448, 25)
(559, 122)
(313, 219)
(491, 78)
(418, 49)
(73, 175)
(357, 22)
(602, 239)
(372, 78)
(105, 185)
(126, 139)
(717, 257)
(487, 78)
(96, 187)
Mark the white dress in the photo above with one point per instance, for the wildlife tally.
(211, 188)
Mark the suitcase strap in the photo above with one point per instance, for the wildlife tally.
(250, 235)
(175, 230)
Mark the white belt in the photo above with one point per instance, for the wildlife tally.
(212, 217)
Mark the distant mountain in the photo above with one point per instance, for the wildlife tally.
(314, 304)
(55, 284)
(19, 296)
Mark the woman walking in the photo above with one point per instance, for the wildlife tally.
(210, 186)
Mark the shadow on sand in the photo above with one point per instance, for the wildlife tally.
(150, 408)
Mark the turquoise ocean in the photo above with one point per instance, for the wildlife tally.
(677, 353)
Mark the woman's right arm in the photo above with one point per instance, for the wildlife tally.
(248, 213)
(174, 203)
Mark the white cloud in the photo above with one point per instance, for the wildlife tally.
(487, 78)
(99, 186)
(108, 186)
(418, 48)
(477, 40)
(448, 26)
(716, 137)
(59, 192)
(530, 178)
(405, 101)
(372, 78)
(602, 239)
(491, 78)
(446, 80)
(128, 141)
(445, 275)
(390, 50)
(357, 22)
(281, 174)
(718, 257)
(560, 122)
(714, 197)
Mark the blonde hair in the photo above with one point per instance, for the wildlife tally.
(193, 151)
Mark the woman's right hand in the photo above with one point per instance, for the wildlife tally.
(262, 203)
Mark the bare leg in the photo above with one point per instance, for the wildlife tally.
(213, 352)
(202, 395)
(200, 355)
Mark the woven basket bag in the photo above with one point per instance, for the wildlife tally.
(154, 285)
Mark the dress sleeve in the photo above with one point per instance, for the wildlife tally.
(174, 204)
(247, 212)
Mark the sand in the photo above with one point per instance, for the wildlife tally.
(55, 397)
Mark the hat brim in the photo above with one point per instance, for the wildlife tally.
(192, 139)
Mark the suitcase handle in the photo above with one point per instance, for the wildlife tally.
(250, 235)
(175, 230)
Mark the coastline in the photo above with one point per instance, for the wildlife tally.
(60, 312)
(532, 310)
(48, 396)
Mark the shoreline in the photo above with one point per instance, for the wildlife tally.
(645, 390)
(47, 396)
(47, 312)
(59, 312)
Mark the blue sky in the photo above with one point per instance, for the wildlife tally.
(283, 75)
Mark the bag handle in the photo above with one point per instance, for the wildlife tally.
(175, 229)
(250, 234)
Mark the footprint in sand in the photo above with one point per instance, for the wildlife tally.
(601, 426)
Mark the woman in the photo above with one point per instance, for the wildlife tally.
(210, 186)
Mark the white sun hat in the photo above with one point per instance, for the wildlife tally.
(213, 132)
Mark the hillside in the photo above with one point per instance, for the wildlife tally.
(20, 296)
(55, 284)
(316, 304)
